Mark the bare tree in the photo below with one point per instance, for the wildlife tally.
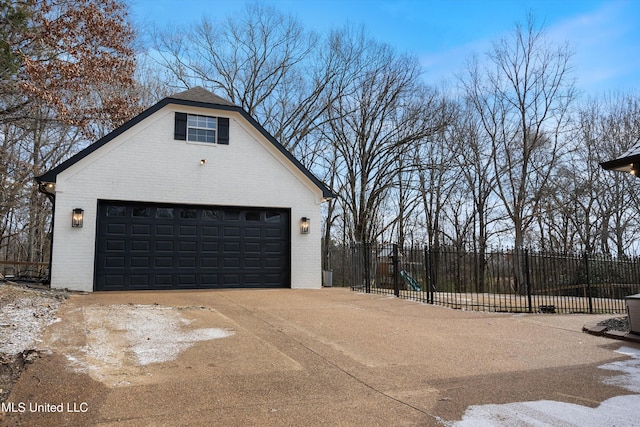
(586, 207)
(380, 113)
(608, 201)
(522, 96)
(474, 161)
(263, 61)
(436, 176)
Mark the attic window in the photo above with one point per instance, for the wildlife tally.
(197, 128)
(201, 128)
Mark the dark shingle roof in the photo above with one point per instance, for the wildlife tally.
(628, 161)
(200, 94)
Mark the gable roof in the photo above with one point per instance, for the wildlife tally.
(194, 97)
(200, 94)
(629, 161)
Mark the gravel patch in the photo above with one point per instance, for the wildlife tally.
(617, 324)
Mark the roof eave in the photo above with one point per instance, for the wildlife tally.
(623, 164)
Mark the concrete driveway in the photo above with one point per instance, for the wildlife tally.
(296, 357)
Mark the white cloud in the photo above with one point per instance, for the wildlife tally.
(605, 45)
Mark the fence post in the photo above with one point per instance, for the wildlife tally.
(588, 274)
(527, 277)
(433, 277)
(427, 274)
(367, 274)
(396, 271)
(354, 261)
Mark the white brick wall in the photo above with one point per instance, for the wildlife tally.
(146, 164)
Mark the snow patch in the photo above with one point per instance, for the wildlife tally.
(121, 339)
(630, 369)
(158, 335)
(617, 411)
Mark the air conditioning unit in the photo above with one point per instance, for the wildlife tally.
(633, 310)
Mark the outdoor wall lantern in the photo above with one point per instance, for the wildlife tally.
(304, 225)
(77, 218)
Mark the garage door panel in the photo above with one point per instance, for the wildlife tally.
(163, 262)
(209, 247)
(253, 232)
(209, 231)
(209, 280)
(164, 245)
(114, 262)
(187, 280)
(114, 245)
(163, 280)
(273, 232)
(231, 279)
(188, 230)
(272, 248)
(231, 247)
(139, 281)
(252, 248)
(230, 262)
(187, 262)
(164, 230)
(115, 281)
(187, 246)
(231, 232)
(116, 229)
(253, 280)
(208, 262)
(272, 262)
(252, 262)
(139, 262)
(142, 246)
(141, 229)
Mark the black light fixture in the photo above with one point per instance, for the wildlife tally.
(77, 218)
(304, 225)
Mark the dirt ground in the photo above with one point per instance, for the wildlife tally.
(25, 311)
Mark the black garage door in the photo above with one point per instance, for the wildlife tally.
(143, 246)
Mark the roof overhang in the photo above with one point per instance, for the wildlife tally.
(630, 164)
(629, 161)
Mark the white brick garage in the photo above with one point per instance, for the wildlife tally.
(233, 167)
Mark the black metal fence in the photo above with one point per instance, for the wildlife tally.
(499, 280)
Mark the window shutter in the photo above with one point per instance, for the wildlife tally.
(223, 130)
(180, 132)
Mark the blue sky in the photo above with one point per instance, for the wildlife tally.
(604, 34)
